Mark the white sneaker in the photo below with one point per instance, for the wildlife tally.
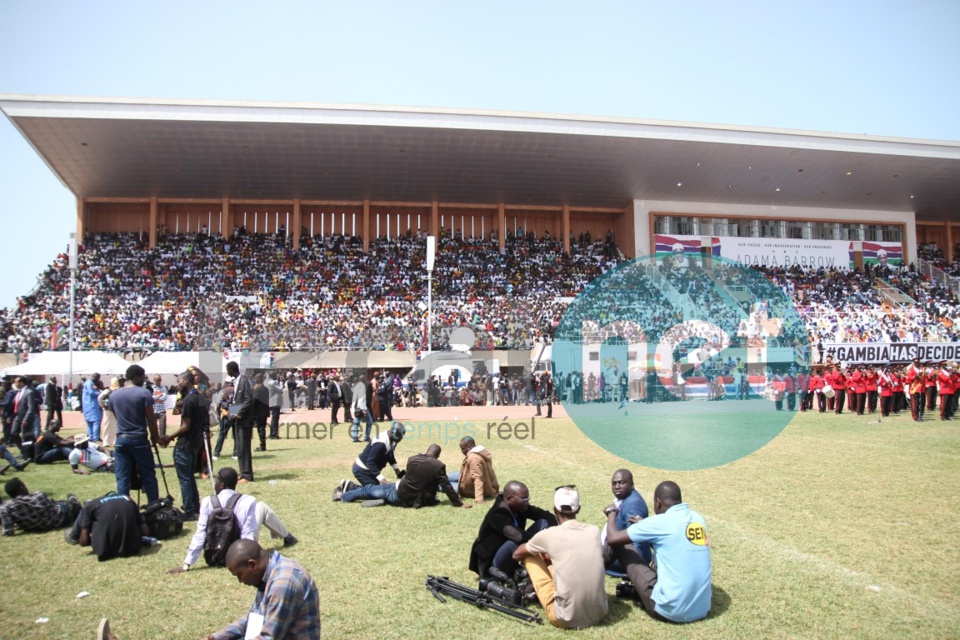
(215, 458)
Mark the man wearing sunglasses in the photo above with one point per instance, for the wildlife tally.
(565, 564)
(505, 527)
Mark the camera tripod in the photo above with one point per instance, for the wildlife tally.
(444, 586)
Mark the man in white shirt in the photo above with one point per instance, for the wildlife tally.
(86, 453)
(250, 513)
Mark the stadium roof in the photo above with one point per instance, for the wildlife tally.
(133, 148)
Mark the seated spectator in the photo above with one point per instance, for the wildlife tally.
(86, 453)
(679, 588)
(50, 447)
(476, 477)
(565, 565)
(35, 511)
(425, 476)
(628, 504)
(11, 461)
(251, 514)
(504, 528)
(287, 604)
(112, 525)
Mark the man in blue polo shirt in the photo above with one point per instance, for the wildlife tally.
(679, 589)
(136, 430)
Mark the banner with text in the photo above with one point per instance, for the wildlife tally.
(896, 352)
(778, 252)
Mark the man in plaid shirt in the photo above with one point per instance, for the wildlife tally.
(287, 604)
(35, 511)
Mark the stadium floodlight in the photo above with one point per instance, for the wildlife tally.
(431, 253)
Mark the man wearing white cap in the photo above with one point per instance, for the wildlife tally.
(565, 564)
(88, 455)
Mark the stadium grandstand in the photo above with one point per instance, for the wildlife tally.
(211, 226)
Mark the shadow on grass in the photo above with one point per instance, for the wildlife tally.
(266, 477)
(619, 609)
(719, 603)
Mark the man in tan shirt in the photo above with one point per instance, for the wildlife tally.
(565, 564)
(476, 478)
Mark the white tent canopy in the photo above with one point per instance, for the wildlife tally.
(58, 363)
(210, 362)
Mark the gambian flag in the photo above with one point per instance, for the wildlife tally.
(59, 333)
(875, 252)
(690, 245)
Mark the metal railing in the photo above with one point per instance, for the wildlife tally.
(938, 276)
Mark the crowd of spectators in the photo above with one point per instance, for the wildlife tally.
(253, 291)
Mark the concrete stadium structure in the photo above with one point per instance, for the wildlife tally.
(373, 171)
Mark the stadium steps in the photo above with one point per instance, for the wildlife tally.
(893, 295)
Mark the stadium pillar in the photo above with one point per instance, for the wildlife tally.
(81, 216)
(502, 226)
(435, 219)
(296, 224)
(565, 231)
(226, 227)
(949, 251)
(153, 222)
(366, 225)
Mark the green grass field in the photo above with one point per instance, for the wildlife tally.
(839, 528)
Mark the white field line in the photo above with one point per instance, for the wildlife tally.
(825, 565)
(873, 445)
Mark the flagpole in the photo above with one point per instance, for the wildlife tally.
(431, 252)
(73, 288)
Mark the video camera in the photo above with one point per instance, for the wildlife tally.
(517, 590)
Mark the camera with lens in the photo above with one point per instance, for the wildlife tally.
(625, 590)
(517, 590)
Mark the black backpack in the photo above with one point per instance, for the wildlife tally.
(223, 529)
(163, 519)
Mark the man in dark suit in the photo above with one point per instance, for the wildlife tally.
(53, 398)
(25, 411)
(243, 401)
(335, 392)
(310, 385)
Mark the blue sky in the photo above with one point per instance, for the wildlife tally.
(881, 68)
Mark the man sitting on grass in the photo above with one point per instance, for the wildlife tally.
(476, 477)
(565, 565)
(425, 477)
(287, 604)
(51, 447)
(250, 513)
(504, 528)
(35, 511)
(679, 589)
